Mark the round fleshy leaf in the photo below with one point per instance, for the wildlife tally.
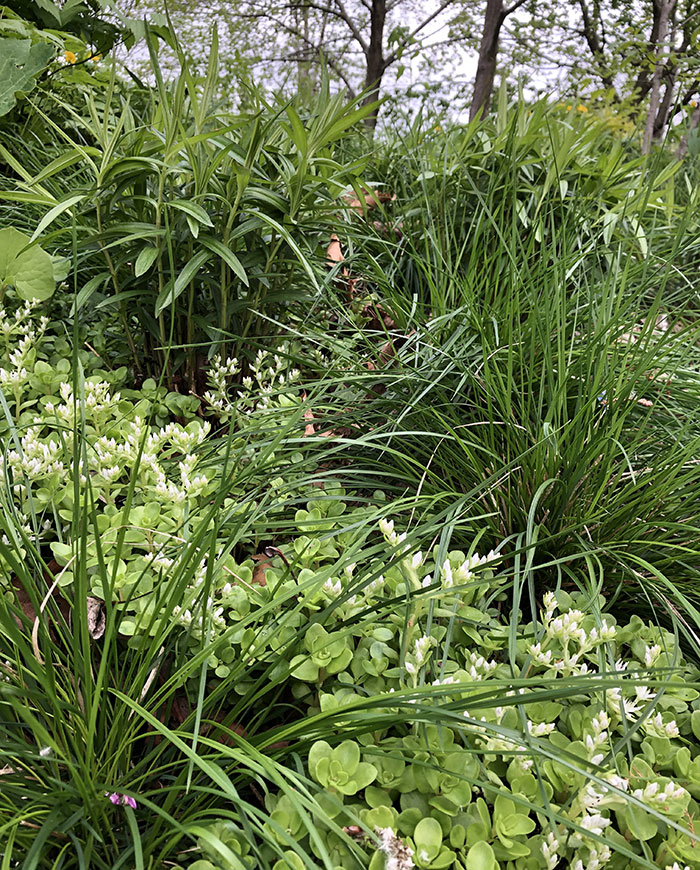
(348, 754)
(481, 857)
(428, 838)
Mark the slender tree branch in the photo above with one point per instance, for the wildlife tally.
(353, 27)
(407, 39)
(510, 9)
(590, 34)
(333, 64)
(309, 4)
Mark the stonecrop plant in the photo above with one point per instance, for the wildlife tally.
(567, 741)
(95, 441)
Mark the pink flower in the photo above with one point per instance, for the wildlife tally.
(123, 799)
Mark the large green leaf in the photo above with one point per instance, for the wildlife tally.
(20, 64)
(29, 271)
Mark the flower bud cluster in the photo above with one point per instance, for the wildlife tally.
(566, 642)
(270, 382)
(464, 573)
(421, 650)
(550, 847)
(654, 794)
(21, 336)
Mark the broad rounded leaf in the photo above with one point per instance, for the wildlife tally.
(348, 754)
(517, 824)
(31, 272)
(364, 774)
(303, 668)
(444, 860)
(481, 857)
(11, 243)
(319, 750)
(20, 64)
(428, 837)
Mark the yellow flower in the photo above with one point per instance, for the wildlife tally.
(693, 104)
(568, 108)
(581, 108)
(96, 57)
(438, 128)
(70, 57)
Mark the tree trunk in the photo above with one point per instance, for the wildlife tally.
(593, 41)
(643, 84)
(375, 59)
(664, 9)
(304, 79)
(692, 126)
(665, 103)
(488, 56)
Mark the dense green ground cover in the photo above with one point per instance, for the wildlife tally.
(379, 555)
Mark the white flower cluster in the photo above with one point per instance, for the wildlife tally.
(24, 331)
(99, 402)
(270, 379)
(597, 855)
(449, 576)
(209, 618)
(111, 457)
(35, 458)
(202, 617)
(464, 573)
(218, 376)
(398, 856)
(478, 667)
(566, 632)
(420, 653)
(593, 796)
(657, 725)
(595, 741)
(564, 645)
(550, 847)
(654, 794)
(334, 588)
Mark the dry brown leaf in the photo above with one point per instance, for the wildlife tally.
(334, 252)
(262, 563)
(96, 617)
(371, 200)
(388, 350)
(378, 318)
(210, 730)
(180, 709)
(309, 428)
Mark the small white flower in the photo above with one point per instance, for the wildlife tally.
(540, 729)
(386, 527)
(651, 654)
(333, 589)
(398, 855)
